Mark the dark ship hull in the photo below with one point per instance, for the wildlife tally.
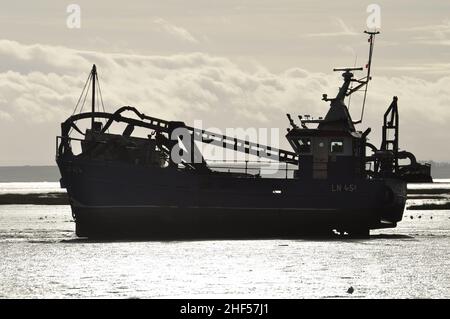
(123, 200)
(161, 186)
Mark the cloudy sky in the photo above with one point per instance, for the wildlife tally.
(231, 63)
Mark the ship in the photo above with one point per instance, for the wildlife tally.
(160, 185)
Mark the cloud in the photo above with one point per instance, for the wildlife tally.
(40, 84)
(339, 24)
(187, 85)
(175, 31)
(433, 41)
(435, 34)
(423, 68)
(5, 116)
(444, 26)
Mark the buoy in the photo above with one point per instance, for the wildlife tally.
(350, 290)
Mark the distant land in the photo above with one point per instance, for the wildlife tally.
(29, 174)
(440, 170)
(51, 173)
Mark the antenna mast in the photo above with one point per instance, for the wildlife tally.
(94, 76)
(368, 66)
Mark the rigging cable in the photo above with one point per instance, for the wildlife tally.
(372, 43)
(88, 82)
(86, 94)
(101, 98)
(81, 95)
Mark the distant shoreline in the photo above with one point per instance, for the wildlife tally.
(431, 206)
(11, 174)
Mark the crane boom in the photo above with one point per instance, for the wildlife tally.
(204, 136)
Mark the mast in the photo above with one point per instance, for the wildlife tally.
(338, 116)
(94, 75)
(345, 90)
(369, 65)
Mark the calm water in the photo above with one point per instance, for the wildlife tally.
(41, 257)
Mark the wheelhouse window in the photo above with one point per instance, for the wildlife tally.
(304, 145)
(337, 146)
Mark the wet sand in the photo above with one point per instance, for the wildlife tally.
(34, 199)
(42, 258)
